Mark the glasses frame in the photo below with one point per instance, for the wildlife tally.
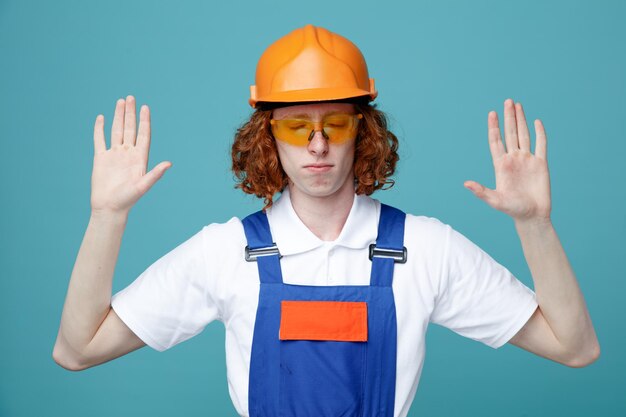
(317, 125)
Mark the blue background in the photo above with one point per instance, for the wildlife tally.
(440, 67)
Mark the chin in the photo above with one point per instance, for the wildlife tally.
(317, 190)
(320, 186)
(320, 192)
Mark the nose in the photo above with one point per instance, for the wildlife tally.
(318, 145)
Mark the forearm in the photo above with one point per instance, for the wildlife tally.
(89, 292)
(558, 294)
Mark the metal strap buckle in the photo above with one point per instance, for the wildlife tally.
(398, 256)
(252, 254)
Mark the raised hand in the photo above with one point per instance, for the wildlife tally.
(119, 175)
(522, 179)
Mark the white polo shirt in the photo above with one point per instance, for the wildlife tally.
(447, 280)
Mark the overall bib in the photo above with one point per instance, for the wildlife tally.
(324, 351)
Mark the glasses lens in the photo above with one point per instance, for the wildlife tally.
(293, 131)
(340, 127)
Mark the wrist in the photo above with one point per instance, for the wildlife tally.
(110, 216)
(533, 224)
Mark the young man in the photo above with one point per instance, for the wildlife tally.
(327, 293)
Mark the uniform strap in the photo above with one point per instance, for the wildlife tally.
(261, 248)
(389, 247)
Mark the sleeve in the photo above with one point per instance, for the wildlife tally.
(478, 298)
(169, 302)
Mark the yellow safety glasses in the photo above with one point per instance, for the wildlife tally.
(336, 128)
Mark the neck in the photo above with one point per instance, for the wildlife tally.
(324, 216)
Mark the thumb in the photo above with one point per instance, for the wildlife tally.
(488, 195)
(147, 181)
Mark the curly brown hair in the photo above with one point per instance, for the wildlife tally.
(258, 170)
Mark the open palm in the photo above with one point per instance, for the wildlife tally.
(522, 179)
(119, 175)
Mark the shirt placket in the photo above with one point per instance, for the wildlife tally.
(330, 253)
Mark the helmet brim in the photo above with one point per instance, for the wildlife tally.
(313, 95)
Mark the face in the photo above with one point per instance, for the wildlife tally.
(319, 169)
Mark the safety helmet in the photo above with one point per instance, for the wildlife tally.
(311, 64)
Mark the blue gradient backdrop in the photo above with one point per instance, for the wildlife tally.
(440, 68)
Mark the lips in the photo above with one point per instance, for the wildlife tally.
(318, 167)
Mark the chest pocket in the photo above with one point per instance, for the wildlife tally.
(323, 356)
(343, 321)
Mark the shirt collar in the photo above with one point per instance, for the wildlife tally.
(292, 236)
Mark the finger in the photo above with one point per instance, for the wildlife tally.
(522, 128)
(117, 129)
(541, 146)
(510, 126)
(130, 121)
(488, 195)
(99, 143)
(149, 179)
(143, 136)
(493, 132)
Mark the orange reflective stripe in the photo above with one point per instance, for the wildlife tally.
(323, 320)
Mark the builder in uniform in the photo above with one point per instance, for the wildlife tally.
(326, 294)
